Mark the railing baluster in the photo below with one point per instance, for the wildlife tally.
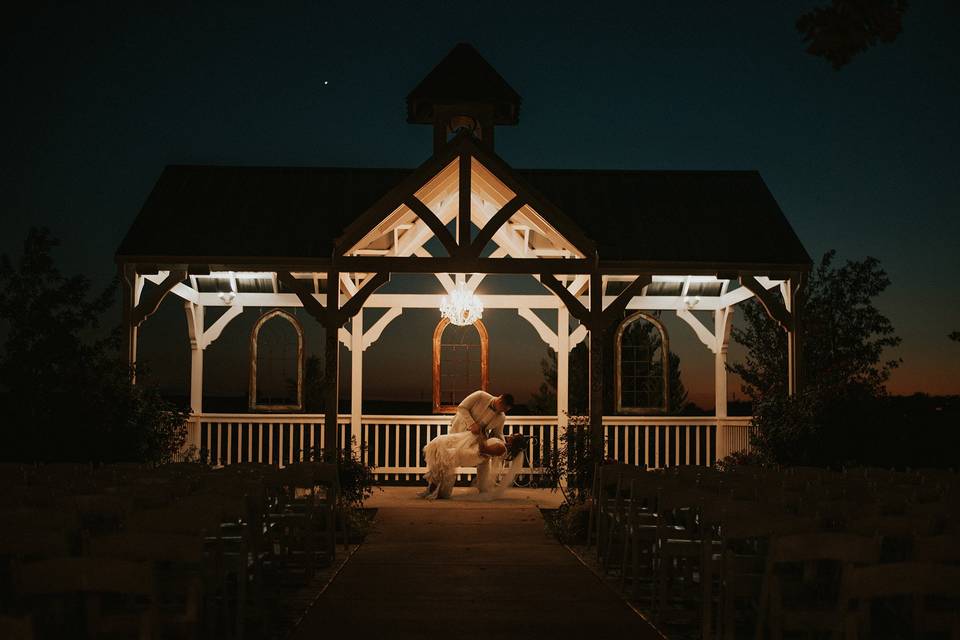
(696, 444)
(270, 444)
(656, 446)
(676, 445)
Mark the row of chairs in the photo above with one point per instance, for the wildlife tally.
(760, 552)
(180, 550)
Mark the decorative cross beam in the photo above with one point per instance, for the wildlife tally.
(431, 220)
(493, 225)
(324, 316)
(596, 319)
(151, 299)
(774, 307)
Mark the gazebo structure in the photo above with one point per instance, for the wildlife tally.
(602, 244)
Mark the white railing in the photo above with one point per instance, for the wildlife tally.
(394, 444)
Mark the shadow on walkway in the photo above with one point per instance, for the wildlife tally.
(462, 568)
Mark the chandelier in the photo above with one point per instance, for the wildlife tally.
(461, 307)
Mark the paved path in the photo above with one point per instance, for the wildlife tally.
(457, 569)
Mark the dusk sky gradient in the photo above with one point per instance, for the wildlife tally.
(864, 160)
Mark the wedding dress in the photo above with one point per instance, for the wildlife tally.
(445, 453)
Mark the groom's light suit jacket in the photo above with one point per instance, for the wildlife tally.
(476, 408)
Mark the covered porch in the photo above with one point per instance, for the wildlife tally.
(604, 255)
(508, 229)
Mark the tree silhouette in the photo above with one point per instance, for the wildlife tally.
(843, 334)
(843, 337)
(67, 395)
(845, 28)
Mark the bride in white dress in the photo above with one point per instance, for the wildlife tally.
(445, 453)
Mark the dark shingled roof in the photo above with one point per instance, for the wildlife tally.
(463, 76)
(711, 218)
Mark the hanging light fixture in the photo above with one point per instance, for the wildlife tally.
(461, 307)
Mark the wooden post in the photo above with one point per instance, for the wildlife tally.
(721, 333)
(356, 382)
(332, 364)
(195, 325)
(563, 380)
(463, 212)
(596, 365)
(563, 371)
(131, 286)
(793, 335)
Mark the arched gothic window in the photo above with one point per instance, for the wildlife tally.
(276, 363)
(642, 361)
(460, 361)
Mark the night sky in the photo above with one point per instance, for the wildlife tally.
(864, 160)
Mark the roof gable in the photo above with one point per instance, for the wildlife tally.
(506, 210)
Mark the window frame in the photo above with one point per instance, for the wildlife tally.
(254, 336)
(664, 362)
(484, 362)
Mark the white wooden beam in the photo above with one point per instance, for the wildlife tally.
(563, 372)
(723, 320)
(577, 336)
(432, 300)
(373, 333)
(540, 326)
(217, 327)
(706, 336)
(179, 289)
(356, 381)
(738, 295)
(194, 314)
(579, 284)
(775, 308)
(348, 283)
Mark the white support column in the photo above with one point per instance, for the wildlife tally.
(195, 323)
(722, 321)
(356, 381)
(563, 371)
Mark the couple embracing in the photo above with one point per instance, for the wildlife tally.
(475, 439)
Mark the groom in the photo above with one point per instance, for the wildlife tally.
(482, 413)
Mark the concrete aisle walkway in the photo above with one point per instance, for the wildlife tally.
(459, 568)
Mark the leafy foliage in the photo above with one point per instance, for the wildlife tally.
(356, 478)
(842, 334)
(843, 337)
(846, 28)
(569, 468)
(68, 396)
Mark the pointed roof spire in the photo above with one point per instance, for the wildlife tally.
(463, 77)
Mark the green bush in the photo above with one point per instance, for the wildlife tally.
(357, 480)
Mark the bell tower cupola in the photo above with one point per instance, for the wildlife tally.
(463, 92)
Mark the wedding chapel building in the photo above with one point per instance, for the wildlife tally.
(611, 253)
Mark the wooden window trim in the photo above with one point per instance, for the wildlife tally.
(665, 364)
(254, 336)
(484, 363)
